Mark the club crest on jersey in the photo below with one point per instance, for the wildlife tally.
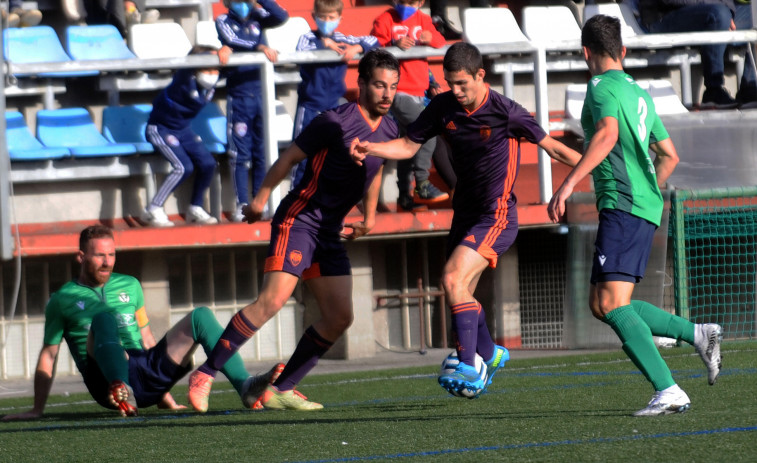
(485, 131)
(295, 257)
(124, 297)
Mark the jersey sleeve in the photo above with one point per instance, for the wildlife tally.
(601, 102)
(315, 136)
(54, 325)
(427, 125)
(523, 124)
(658, 132)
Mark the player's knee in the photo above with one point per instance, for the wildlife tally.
(452, 283)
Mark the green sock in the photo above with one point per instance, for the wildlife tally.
(639, 346)
(207, 331)
(109, 353)
(663, 323)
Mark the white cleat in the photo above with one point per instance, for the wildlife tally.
(707, 339)
(671, 400)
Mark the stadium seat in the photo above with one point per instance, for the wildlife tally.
(629, 26)
(550, 23)
(284, 125)
(126, 124)
(206, 34)
(96, 42)
(210, 125)
(491, 25)
(37, 44)
(22, 146)
(285, 37)
(73, 128)
(159, 40)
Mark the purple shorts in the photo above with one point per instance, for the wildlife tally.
(488, 235)
(305, 252)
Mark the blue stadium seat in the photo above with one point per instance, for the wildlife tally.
(96, 42)
(126, 124)
(37, 44)
(73, 128)
(22, 146)
(210, 125)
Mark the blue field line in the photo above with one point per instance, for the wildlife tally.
(597, 440)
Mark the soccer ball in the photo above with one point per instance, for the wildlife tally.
(450, 363)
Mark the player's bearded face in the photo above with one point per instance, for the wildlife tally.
(97, 262)
(378, 94)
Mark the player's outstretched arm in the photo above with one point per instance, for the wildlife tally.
(278, 171)
(370, 201)
(559, 152)
(398, 149)
(665, 161)
(43, 382)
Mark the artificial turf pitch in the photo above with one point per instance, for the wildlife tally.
(565, 409)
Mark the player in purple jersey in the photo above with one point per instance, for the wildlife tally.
(306, 231)
(483, 129)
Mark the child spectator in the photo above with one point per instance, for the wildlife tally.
(406, 26)
(241, 30)
(170, 132)
(322, 84)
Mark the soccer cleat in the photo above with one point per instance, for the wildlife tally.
(707, 339)
(465, 381)
(273, 399)
(122, 397)
(199, 390)
(501, 355)
(255, 386)
(427, 193)
(671, 400)
(155, 217)
(196, 214)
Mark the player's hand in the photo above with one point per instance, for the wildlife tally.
(358, 151)
(252, 212)
(556, 207)
(358, 229)
(30, 415)
(403, 43)
(270, 53)
(223, 55)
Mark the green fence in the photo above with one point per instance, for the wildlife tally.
(714, 233)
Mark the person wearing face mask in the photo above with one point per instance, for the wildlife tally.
(322, 86)
(241, 30)
(170, 132)
(406, 26)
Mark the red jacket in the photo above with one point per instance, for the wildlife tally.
(413, 72)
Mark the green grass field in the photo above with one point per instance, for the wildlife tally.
(562, 409)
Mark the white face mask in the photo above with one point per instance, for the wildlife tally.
(206, 80)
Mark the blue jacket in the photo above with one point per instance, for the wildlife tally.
(245, 35)
(323, 83)
(179, 103)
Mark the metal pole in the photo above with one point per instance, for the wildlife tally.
(542, 117)
(6, 238)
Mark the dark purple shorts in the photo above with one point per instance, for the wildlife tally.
(304, 252)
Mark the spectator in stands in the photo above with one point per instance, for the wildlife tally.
(241, 30)
(120, 13)
(17, 16)
(659, 16)
(406, 26)
(322, 86)
(169, 130)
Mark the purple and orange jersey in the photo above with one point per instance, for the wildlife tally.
(485, 146)
(331, 186)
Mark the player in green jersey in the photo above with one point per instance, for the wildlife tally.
(102, 317)
(620, 126)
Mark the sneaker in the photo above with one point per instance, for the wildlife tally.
(671, 400)
(501, 355)
(747, 97)
(74, 10)
(155, 217)
(717, 98)
(122, 397)
(445, 28)
(274, 399)
(707, 339)
(132, 16)
(406, 203)
(427, 193)
(11, 19)
(150, 16)
(237, 215)
(196, 214)
(465, 381)
(29, 18)
(199, 390)
(255, 386)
